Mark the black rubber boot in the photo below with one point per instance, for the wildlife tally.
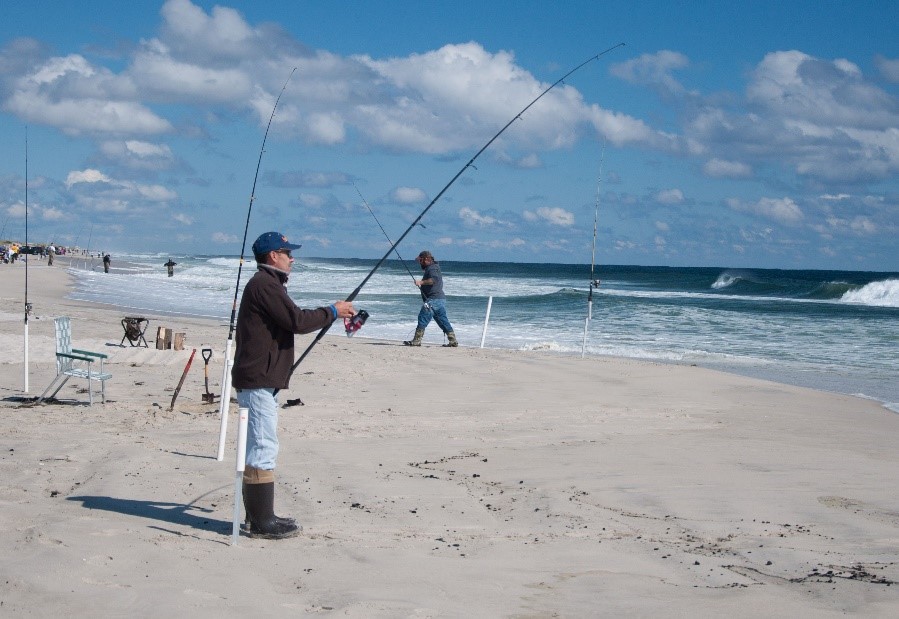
(246, 507)
(259, 499)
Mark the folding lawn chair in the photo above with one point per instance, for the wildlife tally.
(75, 362)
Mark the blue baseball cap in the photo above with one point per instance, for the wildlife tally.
(272, 241)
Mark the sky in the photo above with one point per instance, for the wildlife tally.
(761, 134)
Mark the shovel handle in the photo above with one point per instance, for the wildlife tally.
(207, 354)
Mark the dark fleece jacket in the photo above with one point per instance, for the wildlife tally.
(266, 323)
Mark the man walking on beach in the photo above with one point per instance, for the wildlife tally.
(434, 306)
(266, 324)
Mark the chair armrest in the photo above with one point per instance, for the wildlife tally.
(92, 354)
(76, 357)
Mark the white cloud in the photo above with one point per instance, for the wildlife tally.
(408, 195)
(653, 70)
(76, 97)
(661, 226)
(223, 237)
(783, 210)
(52, 214)
(670, 196)
(182, 218)
(472, 217)
(822, 119)
(96, 191)
(718, 168)
(322, 241)
(153, 193)
(554, 215)
(863, 225)
(311, 200)
(326, 128)
(859, 225)
(137, 154)
(86, 176)
(621, 129)
(888, 67)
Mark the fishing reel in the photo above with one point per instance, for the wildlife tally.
(355, 323)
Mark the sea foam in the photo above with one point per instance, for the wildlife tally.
(883, 293)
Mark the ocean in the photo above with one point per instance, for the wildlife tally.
(830, 330)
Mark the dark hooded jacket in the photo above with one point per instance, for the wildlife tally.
(266, 323)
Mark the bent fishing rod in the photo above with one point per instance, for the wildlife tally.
(517, 116)
(226, 372)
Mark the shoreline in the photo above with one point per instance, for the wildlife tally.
(790, 376)
(438, 482)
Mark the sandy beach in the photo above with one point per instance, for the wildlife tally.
(436, 482)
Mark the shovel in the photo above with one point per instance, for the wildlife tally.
(207, 355)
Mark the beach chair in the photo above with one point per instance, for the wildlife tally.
(75, 362)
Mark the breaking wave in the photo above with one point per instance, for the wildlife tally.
(883, 293)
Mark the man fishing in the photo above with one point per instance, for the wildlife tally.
(266, 324)
(434, 306)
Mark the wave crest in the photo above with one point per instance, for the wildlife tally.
(725, 280)
(884, 293)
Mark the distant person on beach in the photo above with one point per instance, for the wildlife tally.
(263, 361)
(107, 260)
(170, 265)
(51, 251)
(434, 306)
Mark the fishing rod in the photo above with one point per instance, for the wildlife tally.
(226, 373)
(385, 232)
(27, 262)
(355, 292)
(594, 283)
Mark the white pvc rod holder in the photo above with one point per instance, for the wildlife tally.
(243, 414)
(486, 321)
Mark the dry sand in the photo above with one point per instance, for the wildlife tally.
(437, 482)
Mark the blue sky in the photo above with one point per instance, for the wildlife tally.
(762, 134)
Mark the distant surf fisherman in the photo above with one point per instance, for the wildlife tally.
(266, 324)
(434, 306)
(170, 265)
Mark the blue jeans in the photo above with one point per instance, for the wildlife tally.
(262, 427)
(436, 309)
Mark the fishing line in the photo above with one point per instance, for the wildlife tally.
(470, 163)
(384, 231)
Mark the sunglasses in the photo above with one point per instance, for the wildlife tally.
(286, 252)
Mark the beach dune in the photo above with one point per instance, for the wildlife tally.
(436, 482)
